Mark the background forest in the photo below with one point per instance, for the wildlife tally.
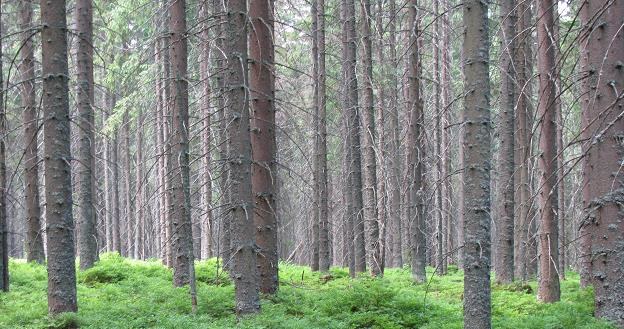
(412, 145)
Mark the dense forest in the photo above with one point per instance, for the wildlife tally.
(312, 164)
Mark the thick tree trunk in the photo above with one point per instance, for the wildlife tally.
(206, 140)
(85, 166)
(369, 136)
(264, 148)
(4, 245)
(243, 269)
(476, 166)
(58, 190)
(415, 152)
(504, 240)
(324, 243)
(548, 290)
(180, 207)
(602, 50)
(34, 236)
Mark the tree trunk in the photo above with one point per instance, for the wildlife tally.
(350, 106)
(4, 245)
(243, 269)
(439, 159)
(369, 136)
(415, 152)
(139, 209)
(180, 207)
(324, 243)
(548, 290)
(34, 236)
(58, 189)
(504, 240)
(602, 50)
(85, 166)
(314, 260)
(476, 163)
(206, 140)
(394, 179)
(264, 148)
(523, 128)
(129, 206)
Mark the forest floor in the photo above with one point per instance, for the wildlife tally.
(121, 293)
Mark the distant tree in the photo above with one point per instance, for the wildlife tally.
(34, 236)
(56, 131)
(4, 245)
(476, 166)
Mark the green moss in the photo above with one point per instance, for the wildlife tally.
(121, 293)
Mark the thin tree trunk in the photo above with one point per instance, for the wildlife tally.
(314, 260)
(4, 245)
(446, 144)
(139, 210)
(206, 140)
(115, 180)
(324, 242)
(34, 236)
(87, 221)
(548, 289)
(504, 240)
(180, 207)
(439, 131)
(264, 148)
(58, 189)
(415, 152)
(243, 269)
(602, 70)
(129, 209)
(476, 166)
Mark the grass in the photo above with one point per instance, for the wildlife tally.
(121, 293)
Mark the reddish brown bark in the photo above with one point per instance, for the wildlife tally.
(34, 236)
(602, 51)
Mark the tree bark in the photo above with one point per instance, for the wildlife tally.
(369, 137)
(324, 243)
(504, 241)
(476, 165)
(129, 205)
(206, 140)
(602, 50)
(415, 152)
(57, 154)
(4, 245)
(180, 207)
(139, 209)
(34, 236)
(264, 148)
(548, 289)
(243, 270)
(85, 167)
(314, 260)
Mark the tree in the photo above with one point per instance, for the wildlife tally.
(369, 137)
(415, 152)
(548, 290)
(476, 165)
(321, 155)
(180, 208)
(263, 145)
(206, 184)
(58, 189)
(243, 268)
(351, 112)
(34, 236)
(4, 245)
(504, 262)
(85, 167)
(602, 51)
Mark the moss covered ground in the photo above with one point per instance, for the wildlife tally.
(122, 293)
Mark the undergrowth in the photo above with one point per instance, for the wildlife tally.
(122, 293)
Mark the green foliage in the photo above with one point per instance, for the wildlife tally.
(122, 293)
